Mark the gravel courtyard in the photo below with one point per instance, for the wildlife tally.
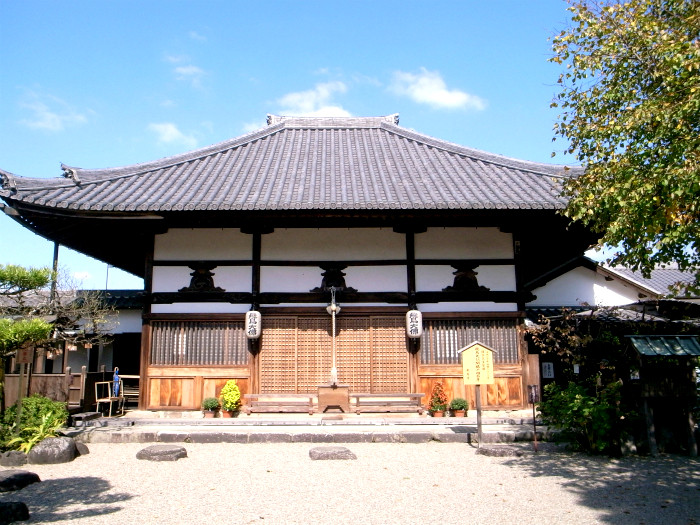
(388, 483)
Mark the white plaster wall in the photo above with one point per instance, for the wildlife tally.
(464, 243)
(499, 278)
(200, 308)
(230, 278)
(128, 321)
(202, 244)
(288, 279)
(333, 244)
(468, 307)
(582, 285)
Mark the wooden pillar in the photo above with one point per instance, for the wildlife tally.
(144, 390)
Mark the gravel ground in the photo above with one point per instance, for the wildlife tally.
(388, 483)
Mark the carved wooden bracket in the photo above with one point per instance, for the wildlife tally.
(202, 279)
(465, 279)
(333, 277)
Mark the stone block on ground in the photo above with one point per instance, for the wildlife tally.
(81, 448)
(500, 451)
(322, 453)
(11, 511)
(13, 458)
(162, 453)
(53, 450)
(16, 479)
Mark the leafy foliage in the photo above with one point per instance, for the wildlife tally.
(438, 398)
(230, 396)
(587, 414)
(459, 403)
(16, 280)
(630, 111)
(562, 336)
(210, 403)
(40, 418)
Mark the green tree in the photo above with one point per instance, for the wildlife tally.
(630, 111)
(16, 332)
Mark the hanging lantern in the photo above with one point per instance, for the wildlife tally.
(253, 321)
(414, 324)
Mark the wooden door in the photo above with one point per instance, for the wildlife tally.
(296, 354)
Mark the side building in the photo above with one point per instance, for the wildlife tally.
(359, 212)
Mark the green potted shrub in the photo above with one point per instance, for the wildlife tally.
(210, 406)
(459, 407)
(230, 397)
(438, 400)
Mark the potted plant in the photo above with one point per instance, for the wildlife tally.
(210, 406)
(230, 397)
(438, 400)
(459, 407)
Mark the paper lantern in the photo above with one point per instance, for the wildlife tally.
(253, 321)
(414, 324)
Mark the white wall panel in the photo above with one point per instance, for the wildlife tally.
(289, 279)
(582, 285)
(230, 278)
(200, 308)
(468, 307)
(377, 278)
(203, 244)
(464, 243)
(333, 244)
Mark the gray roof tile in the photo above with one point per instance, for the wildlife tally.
(366, 163)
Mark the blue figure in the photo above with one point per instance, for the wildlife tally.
(115, 378)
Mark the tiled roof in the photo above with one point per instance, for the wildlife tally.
(659, 281)
(307, 164)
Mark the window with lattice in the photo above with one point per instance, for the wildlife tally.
(443, 338)
(198, 343)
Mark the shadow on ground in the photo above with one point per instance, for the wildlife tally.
(63, 499)
(631, 490)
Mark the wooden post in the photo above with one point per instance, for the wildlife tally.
(651, 432)
(478, 415)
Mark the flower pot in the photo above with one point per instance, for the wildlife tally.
(229, 413)
(210, 413)
(438, 413)
(458, 413)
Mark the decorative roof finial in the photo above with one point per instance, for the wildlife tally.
(70, 173)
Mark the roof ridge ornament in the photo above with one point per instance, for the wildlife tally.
(7, 182)
(70, 173)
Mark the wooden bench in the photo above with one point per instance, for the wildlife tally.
(387, 402)
(278, 403)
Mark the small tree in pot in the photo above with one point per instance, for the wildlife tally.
(438, 400)
(459, 406)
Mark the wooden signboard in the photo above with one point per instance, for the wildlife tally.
(477, 364)
(25, 355)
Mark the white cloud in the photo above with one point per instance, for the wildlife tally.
(196, 36)
(190, 73)
(316, 102)
(168, 133)
(428, 87)
(50, 113)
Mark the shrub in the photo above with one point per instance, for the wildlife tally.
(459, 403)
(210, 403)
(589, 416)
(230, 396)
(41, 417)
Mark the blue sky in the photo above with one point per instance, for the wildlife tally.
(98, 84)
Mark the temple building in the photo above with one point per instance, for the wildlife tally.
(330, 230)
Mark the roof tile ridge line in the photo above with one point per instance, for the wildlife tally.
(477, 154)
(359, 122)
(188, 156)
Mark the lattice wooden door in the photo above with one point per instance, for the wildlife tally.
(296, 354)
